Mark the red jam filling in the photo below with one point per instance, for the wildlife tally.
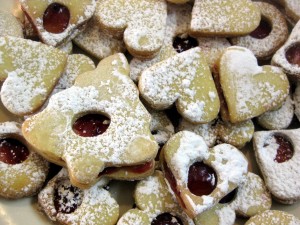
(181, 44)
(133, 169)
(12, 151)
(293, 54)
(229, 197)
(202, 179)
(263, 30)
(285, 150)
(56, 18)
(91, 125)
(67, 198)
(166, 219)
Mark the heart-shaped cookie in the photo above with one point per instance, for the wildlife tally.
(185, 79)
(249, 90)
(200, 177)
(98, 123)
(30, 77)
(224, 18)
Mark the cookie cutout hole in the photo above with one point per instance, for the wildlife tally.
(202, 179)
(91, 125)
(263, 30)
(13, 151)
(166, 219)
(56, 18)
(67, 198)
(183, 43)
(229, 197)
(285, 149)
(293, 54)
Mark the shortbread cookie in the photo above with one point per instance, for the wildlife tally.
(70, 205)
(280, 118)
(278, 156)
(292, 9)
(296, 98)
(269, 36)
(288, 56)
(9, 25)
(22, 171)
(97, 43)
(99, 122)
(60, 20)
(155, 205)
(248, 89)
(198, 176)
(30, 77)
(224, 18)
(143, 23)
(273, 217)
(66, 47)
(185, 79)
(236, 134)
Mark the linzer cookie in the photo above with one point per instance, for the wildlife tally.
(154, 205)
(198, 176)
(97, 123)
(60, 20)
(273, 217)
(292, 9)
(184, 79)
(269, 36)
(66, 204)
(22, 171)
(278, 156)
(248, 89)
(30, 77)
(9, 25)
(288, 56)
(224, 18)
(143, 23)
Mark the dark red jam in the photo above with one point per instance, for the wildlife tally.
(12, 151)
(263, 30)
(56, 18)
(91, 125)
(166, 219)
(229, 197)
(285, 150)
(202, 179)
(67, 198)
(133, 169)
(293, 54)
(181, 44)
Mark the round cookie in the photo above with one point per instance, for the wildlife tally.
(269, 36)
(154, 204)
(273, 217)
(278, 119)
(277, 154)
(22, 171)
(69, 205)
(9, 25)
(198, 176)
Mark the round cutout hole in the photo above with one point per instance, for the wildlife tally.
(263, 30)
(166, 219)
(293, 54)
(13, 151)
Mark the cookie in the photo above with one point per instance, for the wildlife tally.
(22, 171)
(248, 89)
(287, 57)
(277, 154)
(58, 21)
(186, 156)
(273, 217)
(296, 98)
(66, 204)
(142, 22)
(184, 79)
(269, 36)
(97, 43)
(154, 204)
(97, 123)
(292, 9)
(280, 118)
(30, 77)
(224, 18)
(10, 25)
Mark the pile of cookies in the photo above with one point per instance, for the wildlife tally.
(164, 93)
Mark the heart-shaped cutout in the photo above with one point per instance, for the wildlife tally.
(249, 90)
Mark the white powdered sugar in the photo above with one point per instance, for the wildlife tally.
(226, 216)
